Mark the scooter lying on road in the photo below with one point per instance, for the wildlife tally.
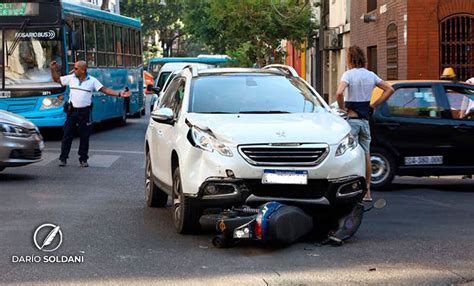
(349, 224)
(277, 224)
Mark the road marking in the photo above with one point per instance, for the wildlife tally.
(100, 151)
(102, 161)
(47, 158)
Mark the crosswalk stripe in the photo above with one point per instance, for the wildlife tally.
(47, 158)
(102, 161)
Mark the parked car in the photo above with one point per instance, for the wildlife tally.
(426, 128)
(224, 137)
(164, 74)
(20, 141)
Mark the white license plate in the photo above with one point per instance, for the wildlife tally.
(285, 177)
(424, 160)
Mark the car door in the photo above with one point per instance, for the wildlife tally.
(164, 133)
(412, 125)
(157, 133)
(460, 99)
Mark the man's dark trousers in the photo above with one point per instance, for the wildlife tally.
(76, 118)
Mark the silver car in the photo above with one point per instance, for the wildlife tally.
(20, 141)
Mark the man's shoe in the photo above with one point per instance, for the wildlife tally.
(62, 163)
(84, 164)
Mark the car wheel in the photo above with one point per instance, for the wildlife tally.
(383, 168)
(185, 213)
(143, 112)
(154, 196)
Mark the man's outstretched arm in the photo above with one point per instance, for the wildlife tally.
(112, 92)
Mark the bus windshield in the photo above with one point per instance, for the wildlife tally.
(28, 54)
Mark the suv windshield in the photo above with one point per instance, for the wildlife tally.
(252, 93)
(27, 60)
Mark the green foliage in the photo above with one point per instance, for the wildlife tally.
(251, 30)
(156, 18)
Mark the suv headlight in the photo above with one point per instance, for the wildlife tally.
(14, 130)
(52, 102)
(348, 142)
(208, 142)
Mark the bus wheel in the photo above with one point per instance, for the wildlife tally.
(122, 121)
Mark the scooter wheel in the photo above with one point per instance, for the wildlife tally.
(219, 241)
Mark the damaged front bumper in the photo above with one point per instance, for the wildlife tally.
(227, 192)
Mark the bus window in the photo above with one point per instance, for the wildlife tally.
(100, 39)
(138, 48)
(80, 53)
(126, 45)
(27, 64)
(118, 45)
(132, 48)
(90, 42)
(110, 45)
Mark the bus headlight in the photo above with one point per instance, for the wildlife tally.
(52, 102)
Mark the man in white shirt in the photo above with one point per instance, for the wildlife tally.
(81, 85)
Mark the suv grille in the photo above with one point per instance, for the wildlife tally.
(284, 154)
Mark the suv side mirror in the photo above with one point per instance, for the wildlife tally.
(156, 90)
(163, 115)
(75, 41)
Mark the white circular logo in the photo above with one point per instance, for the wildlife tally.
(51, 34)
(48, 237)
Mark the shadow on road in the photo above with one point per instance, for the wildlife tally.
(6, 177)
(447, 184)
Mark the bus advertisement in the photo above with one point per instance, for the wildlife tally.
(34, 33)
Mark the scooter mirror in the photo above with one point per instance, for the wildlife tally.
(380, 204)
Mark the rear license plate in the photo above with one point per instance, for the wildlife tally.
(285, 177)
(424, 160)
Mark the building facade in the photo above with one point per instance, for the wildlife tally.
(114, 5)
(415, 39)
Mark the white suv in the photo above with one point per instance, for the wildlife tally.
(227, 137)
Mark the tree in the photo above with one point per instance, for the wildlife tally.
(250, 30)
(156, 19)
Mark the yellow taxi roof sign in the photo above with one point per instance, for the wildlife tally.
(448, 73)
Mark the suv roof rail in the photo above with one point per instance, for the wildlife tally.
(194, 70)
(284, 68)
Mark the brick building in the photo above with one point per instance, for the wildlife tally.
(415, 39)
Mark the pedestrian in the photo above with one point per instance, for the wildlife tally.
(360, 84)
(79, 108)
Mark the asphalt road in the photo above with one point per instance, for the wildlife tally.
(423, 236)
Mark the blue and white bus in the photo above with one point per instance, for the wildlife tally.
(35, 32)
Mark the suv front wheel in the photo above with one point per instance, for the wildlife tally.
(154, 196)
(185, 212)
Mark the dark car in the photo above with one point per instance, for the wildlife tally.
(426, 128)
